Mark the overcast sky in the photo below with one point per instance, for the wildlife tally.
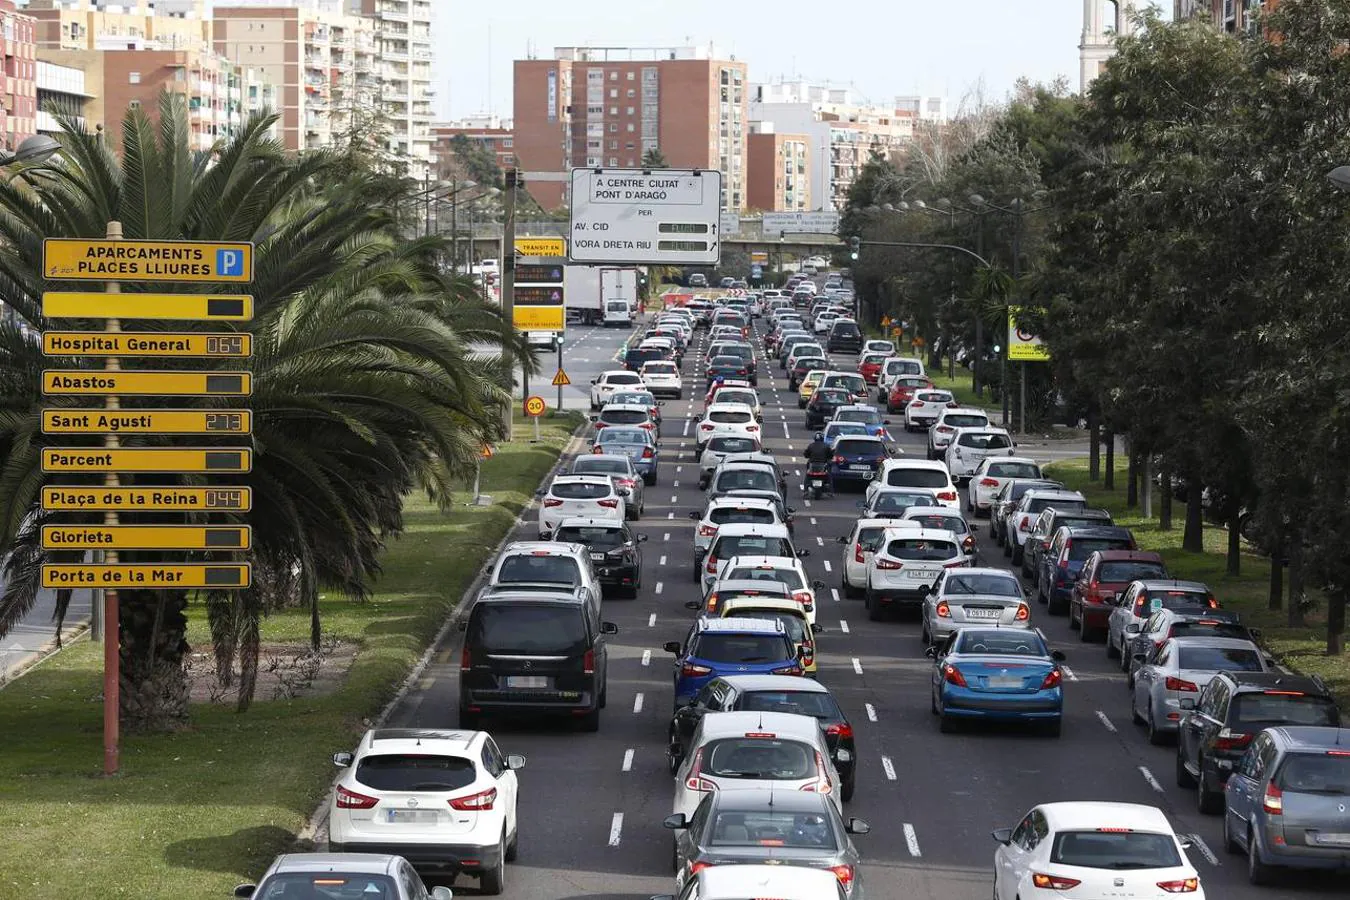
(881, 48)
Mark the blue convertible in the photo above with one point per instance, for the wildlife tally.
(1002, 674)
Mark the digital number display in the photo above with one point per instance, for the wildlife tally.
(695, 246)
(231, 345)
(224, 499)
(682, 228)
(224, 422)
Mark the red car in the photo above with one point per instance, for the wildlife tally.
(869, 367)
(903, 391)
(1106, 573)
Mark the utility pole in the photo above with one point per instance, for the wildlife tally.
(1007, 321)
(507, 267)
(977, 382)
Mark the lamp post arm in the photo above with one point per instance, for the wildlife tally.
(971, 253)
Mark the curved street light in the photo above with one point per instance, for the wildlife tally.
(1340, 178)
(37, 148)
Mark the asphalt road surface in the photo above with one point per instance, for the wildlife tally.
(592, 804)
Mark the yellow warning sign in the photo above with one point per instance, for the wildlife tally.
(111, 575)
(561, 379)
(146, 537)
(155, 499)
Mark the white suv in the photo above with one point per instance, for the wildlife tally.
(971, 446)
(906, 565)
(915, 473)
(950, 419)
(662, 378)
(607, 383)
(443, 800)
(591, 496)
(726, 419)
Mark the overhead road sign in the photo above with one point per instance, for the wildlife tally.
(175, 307)
(541, 246)
(539, 318)
(146, 459)
(646, 216)
(1024, 345)
(148, 577)
(776, 224)
(147, 537)
(128, 343)
(108, 260)
(151, 499)
(95, 382)
(147, 421)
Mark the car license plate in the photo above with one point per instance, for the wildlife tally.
(1005, 681)
(597, 556)
(408, 816)
(817, 482)
(1333, 840)
(983, 613)
(864, 467)
(527, 682)
(917, 575)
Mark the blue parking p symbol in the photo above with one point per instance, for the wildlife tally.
(229, 263)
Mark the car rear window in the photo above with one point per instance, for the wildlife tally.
(1316, 773)
(942, 523)
(730, 416)
(750, 515)
(899, 501)
(1116, 850)
(624, 416)
(790, 578)
(903, 366)
(726, 362)
(581, 490)
(733, 445)
(967, 420)
(415, 772)
(757, 757)
(732, 395)
(854, 447)
(546, 568)
(623, 435)
(853, 383)
(742, 648)
(844, 330)
(624, 377)
(328, 885)
(1081, 521)
(592, 466)
(1130, 571)
(817, 704)
(1214, 659)
(1013, 470)
(527, 628)
(1267, 709)
(1188, 600)
(747, 480)
(935, 398)
(751, 545)
(924, 478)
(1004, 643)
(1040, 503)
(984, 585)
(1209, 629)
(596, 537)
(923, 549)
(1082, 548)
(795, 626)
(638, 357)
(805, 831)
(661, 368)
(825, 396)
(866, 416)
(985, 441)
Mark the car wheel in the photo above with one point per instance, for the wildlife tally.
(493, 881)
(1134, 713)
(1155, 737)
(1074, 623)
(1206, 800)
(604, 695)
(1258, 873)
(1184, 777)
(869, 602)
(698, 572)
(1124, 657)
(513, 848)
(1112, 651)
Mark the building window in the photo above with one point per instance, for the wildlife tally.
(630, 127)
(614, 126)
(629, 146)
(614, 93)
(614, 145)
(613, 160)
(630, 110)
(631, 93)
(133, 78)
(613, 110)
(613, 76)
(508, 142)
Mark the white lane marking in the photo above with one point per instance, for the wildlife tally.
(786, 433)
(646, 657)
(615, 829)
(1199, 843)
(651, 621)
(637, 703)
(857, 665)
(679, 469)
(675, 483)
(871, 712)
(1148, 776)
(889, 767)
(670, 515)
(807, 502)
(790, 447)
(843, 626)
(666, 536)
(813, 520)
(627, 760)
(662, 561)
(674, 498)
(797, 473)
(826, 564)
(1106, 723)
(834, 594)
(1069, 672)
(685, 433)
(820, 541)
(912, 840)
(660, 586)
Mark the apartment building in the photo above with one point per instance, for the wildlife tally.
(607, 106)
(779, 167)
(98, 24)
(68, 89)
(18, 118)
(1234, 16)
(493, 134)
(924, 108)
(403, 35)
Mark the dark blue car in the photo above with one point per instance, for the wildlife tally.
(857, 458)
(731, 646)
(1060, 564)
(998, 674)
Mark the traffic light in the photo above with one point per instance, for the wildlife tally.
(853, 245)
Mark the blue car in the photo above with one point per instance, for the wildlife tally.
(867, 416)
(731, 646)
(997, 674)
(637, 444)
(1060, 564)
(835, 430)
(857, 458)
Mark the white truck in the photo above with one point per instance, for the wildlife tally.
(588, 289)
(618, 294)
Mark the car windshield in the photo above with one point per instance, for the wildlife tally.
(1256, 710)
(635, 398)
(526, 628)
(1005, 643)
(1037, 504)
(327, 885)
(1121, 849)
(847, 447)
(985, 585)
(730, 416)
(751, 545)
(415, 772)
(1082, 548)
(806, 831)
(924, 478)
(1316, 773)
(827, 396)
(866, 416)
(592, 466)
(581, 490)
(736, 395)
(1127, 571)
(764, 757)
(1013, 470)
(967, 420)
(922, 549)
(747, 480)
(941, 523)
(741, 648)
(790, 578)
(547, 568)
(984, 441)
(733, 445)
(1215, 659)
(899, 501)
(595, 538)
(750, 515)
(624, 416)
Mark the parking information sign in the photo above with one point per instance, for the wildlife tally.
(646, 216)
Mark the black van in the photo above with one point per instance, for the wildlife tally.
(533, 652)
(845, 337)
(635, 358)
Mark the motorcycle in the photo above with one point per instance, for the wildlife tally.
(817, 480)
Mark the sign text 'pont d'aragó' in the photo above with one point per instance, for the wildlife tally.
(146, 459)
(127, 343)
(109, 260)
(150, 499)
(147, 576)
(169, 307)
(147, 421)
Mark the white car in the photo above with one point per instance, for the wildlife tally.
(950, 419)
(743, 540)
(1093, 849)
(804, 350)
(735, 393)
(896, 367)
(885, 348)
(726, 419)
(906, 565)
(990, 476)
(588, 496)
(728, 511)
(824, 321)
(925, 406)
(718, 449)
(859, 545)
(662, 378)
(790, 751)
(437, 798)
(786, 570)
(969, 447)
(924, 474)
(607, 383)
(1023, 517)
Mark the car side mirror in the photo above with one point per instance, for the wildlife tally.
(1133, 628)
(594, 418)
(817, 629)
(695, 515)
(515, 761)
(842, 539)
(463, 625)
(818, 585)
(595, 381)
(1270, 661)
(342, 760)
(692, 605)
(1002, 835)
(671, 647)
(1058, 655)
(930, 652)
(803, 554)
(1185, 842)
(1188, 703)
(677, 822)
(609, 628)
(641, 538)
(244, 890)
(857, 826)
(441, 892)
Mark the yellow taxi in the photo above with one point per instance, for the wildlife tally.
(808, 386)
(789, 612)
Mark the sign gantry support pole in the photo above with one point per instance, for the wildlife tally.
(112, 634)
(508, 275)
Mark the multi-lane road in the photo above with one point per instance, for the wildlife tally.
(592, 804)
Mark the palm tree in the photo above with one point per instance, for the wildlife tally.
(369, 376)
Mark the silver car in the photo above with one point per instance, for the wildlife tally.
(622, 472)
(974, 597)
(358, 874)
(1180, 668)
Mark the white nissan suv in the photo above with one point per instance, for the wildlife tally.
(443, 800)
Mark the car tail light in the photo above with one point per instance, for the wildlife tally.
(988, 482)
(1023, 613)
(943, 610)
(752, 428)
(479, 802)
(804, 598)
(549, 503)
(609, 504)
(822, 784)
(952, 675)
(845, 876)
(691, 670)
(706, 426)
(648, 426)
(858, 553)
(465, 659)
(1053, 882)
(946, 495)
(352, 800)
(969, 542)
(889, 565)
(1052, 679)
(711, 568)
(696, 781)
(695, 868)
(917, 403)
(838, 460)
(648, 453)
(794, 669)
(843, 730)
(625, 482)
(944, 429)
(588, 663)
(1273, 801)
(1180, 886)
(599, 425)
(1231, 740)
(707, 530)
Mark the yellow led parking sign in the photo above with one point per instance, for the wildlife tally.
(106, 260)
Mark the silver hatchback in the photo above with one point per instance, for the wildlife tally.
(974, 597)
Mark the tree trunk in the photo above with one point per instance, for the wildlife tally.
(1132, 488)
(1296, 582)
(1165, 506)
(220, 615)
(1094, 446)
(154, 684)
(1193, 537)
(1146, 488)
(1109, 479)
(1275, 598)
(250, 646)
(1336, 622)
(1235, 544)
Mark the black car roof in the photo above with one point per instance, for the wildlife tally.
(1264, 681)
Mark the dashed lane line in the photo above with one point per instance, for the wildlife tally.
(889, 767)
(666, 536)
(871, 712)
(1152, 782)
(1068, 672)
(843, 626)
(627, 760)
(662, 561)
(820, 541)
(615, 829)
(646, 657)
(1106, 722)
(826, 564)
(857, 665)
(834, 594)
(1199, 843)
(637, 703)
(660, 586)
(651, 621)
(912, 840)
